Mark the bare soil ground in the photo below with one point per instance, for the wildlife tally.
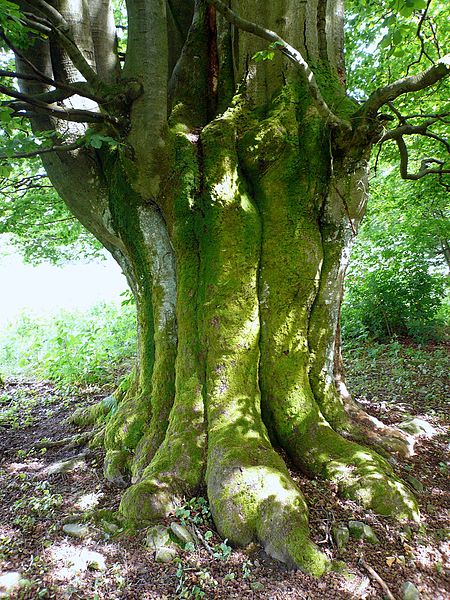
(105, 565)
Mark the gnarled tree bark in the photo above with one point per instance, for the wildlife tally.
(230, 202)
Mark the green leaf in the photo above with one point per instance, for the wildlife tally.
(397, 37)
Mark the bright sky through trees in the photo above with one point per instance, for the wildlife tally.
(45, 288)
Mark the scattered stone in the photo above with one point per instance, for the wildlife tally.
(361, 531)
(9, 583)
(409, 591)
(182, 533)
(414, 483)
(418, 426)
(407, 532)
(97, 565)
(157, 538)
(165, 554)
(110, 528)
(257, 586)
(76, 530)
(341, 535)
(65, 466)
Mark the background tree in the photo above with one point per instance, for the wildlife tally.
(229, 190)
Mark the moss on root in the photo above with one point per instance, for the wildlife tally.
(244, 209)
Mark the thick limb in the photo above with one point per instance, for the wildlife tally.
(288, 288)
(341, 214)
(251, 494)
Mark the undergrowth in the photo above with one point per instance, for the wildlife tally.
(71, 349)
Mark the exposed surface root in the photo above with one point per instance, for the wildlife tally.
(69, 442)
(360, 473)
(368, 429)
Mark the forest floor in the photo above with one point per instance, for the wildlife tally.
(393, 381)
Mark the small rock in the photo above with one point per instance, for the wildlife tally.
(182, 533)
(409, 591)
(418, 426)
(76, 530)
(341, 535)
(165, 554)
(9, 583)
(256, 586)
(157, 537)
(65, 466)
(361, 531)
(407, 532)
(110, 528)
(414, 483)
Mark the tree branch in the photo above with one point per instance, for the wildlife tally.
(51, 13)
(291, 53)
(79, 88)
(412, 83)
(25, 102)
(56, 148)
(36, 25)
(424, 167)
(59, 27)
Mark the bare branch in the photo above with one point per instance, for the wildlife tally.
(407, 129)
(419, 34)
(80, 88)
(424, 167)
(36, 26)
(51, 13)
(412, 83)
(56, 148)
(25, 102)
(59, 27)
(291, 53)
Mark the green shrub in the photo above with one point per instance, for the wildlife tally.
(71, 348)
(399, 295)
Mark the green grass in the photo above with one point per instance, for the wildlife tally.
(71, 349)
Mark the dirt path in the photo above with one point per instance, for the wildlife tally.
(36, 502)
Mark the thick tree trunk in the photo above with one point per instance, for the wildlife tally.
(258, 225)
(232, 220)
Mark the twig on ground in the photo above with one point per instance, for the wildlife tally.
(374, 575)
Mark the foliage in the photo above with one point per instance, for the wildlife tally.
(412, 32)
(195, 511)
(396, 283)
(37, 222)
(72, 349)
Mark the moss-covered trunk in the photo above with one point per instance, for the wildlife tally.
(238, 274)
(230, 203)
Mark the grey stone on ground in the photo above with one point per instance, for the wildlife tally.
(409, 591)
(65, 466)
(414, 483)
(361, 531)
(76, 530)
(416, 426)
(182, 533)
(257, 586)
(109, 527)
(10, 583)
(165, 554)
(157, 537)
(341, 535)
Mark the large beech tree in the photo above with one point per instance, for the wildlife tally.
(221, 162)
